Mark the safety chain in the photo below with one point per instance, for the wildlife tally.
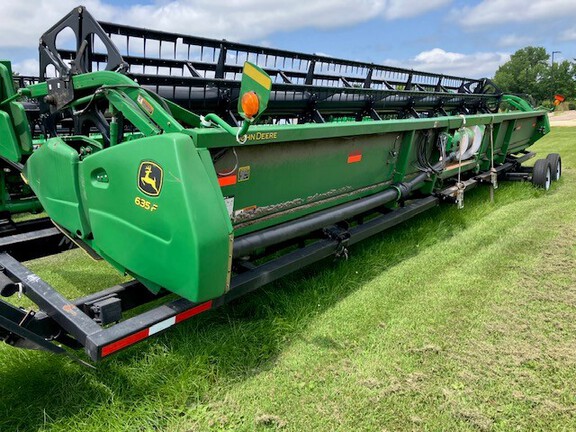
(493, 172)
(460, 186)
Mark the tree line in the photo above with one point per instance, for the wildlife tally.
(530, 71)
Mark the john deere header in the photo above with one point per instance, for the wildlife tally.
(208, 168)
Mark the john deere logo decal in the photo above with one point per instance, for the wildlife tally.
(150, 177)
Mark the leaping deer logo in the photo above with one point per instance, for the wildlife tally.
(150, 178)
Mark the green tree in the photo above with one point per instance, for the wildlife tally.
(524, 72)
(560, 80)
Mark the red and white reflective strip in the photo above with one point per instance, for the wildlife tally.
(156, 328)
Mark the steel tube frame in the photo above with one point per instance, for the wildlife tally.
(97, 340)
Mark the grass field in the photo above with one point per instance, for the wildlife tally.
(457, 320)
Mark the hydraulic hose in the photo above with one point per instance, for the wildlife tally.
(289, 230)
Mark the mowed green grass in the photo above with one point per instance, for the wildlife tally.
(456, 320)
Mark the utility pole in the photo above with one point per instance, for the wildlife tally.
(553, 77)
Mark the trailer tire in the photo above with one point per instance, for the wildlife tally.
(555, 165)
(542, 175)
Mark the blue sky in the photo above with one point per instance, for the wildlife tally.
(470, 38)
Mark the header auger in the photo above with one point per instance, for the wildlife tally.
(209, 168)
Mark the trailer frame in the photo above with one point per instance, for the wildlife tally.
(95, 322)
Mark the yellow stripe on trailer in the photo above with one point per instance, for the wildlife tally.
(261, 78)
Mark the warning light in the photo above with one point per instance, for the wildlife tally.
(558, 99)
(250, 104)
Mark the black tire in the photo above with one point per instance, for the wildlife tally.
(555, 166)
(541, 175)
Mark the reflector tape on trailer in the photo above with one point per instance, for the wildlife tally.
(124, 342)
(156, 328)
(353, 158)
(227, 181)
(162, 325)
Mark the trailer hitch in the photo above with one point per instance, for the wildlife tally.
(18, 335)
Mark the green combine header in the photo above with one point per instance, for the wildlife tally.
(207, 168)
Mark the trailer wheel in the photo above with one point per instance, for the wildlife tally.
(555, 165)
(542, 175)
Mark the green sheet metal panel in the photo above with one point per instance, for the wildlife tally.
(279, 180)
(285, 172)
(177, 233)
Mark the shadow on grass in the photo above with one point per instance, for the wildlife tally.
(168, 376)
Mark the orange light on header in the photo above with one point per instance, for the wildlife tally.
(250, 104)
(558, 99)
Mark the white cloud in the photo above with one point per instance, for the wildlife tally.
(568, 35)
(496, 12)
(256, 18)
(28, 67)
(514, 40)
(402, 9)
(476, 65)
(251, 20)
(24, 21)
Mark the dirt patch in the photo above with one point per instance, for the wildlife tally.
(564, 118)
(413, 382)
(476, 419)
(270, 420)
(426, 349)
